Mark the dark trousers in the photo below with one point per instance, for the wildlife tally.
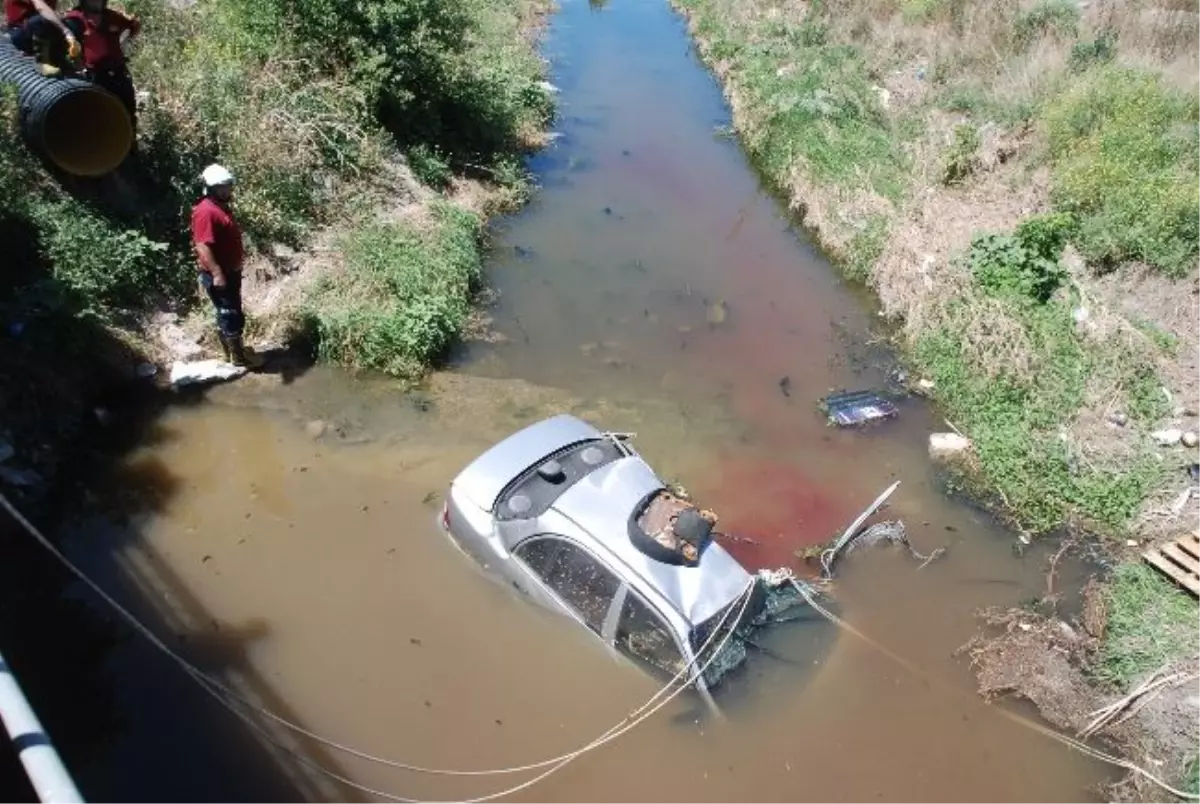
(34, 28)
(227, 302)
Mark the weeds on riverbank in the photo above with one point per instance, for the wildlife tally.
(1150, 623)
(403, 294)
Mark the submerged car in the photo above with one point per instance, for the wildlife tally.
(575, 519)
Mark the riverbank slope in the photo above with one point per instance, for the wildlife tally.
(369, 150)
(1018, 183)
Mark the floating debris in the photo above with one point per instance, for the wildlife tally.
(785, 385)
(853, 408)
(718, 313)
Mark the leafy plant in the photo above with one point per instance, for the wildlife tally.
(1024, 265)
(961, 160)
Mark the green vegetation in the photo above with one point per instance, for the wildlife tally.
(1048, 17)
(1191, 776)
(961, 160)
(404, 294)
(1150, 623)
(1014, 423)
(817, 106)
(1125, 160)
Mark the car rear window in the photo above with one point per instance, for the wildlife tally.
(532, 492)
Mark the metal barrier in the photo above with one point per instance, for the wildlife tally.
(50, 779)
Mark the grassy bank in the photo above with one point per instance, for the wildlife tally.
(340, 121)
(1019, 183)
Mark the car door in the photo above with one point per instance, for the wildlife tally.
(567, 575)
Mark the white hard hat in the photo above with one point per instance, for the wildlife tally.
(216, 175)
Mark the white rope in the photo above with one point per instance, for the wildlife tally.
(1066, 740)
(227, 695)
(609, 736)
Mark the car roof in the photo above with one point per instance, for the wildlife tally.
(486, 476)
(601, 503)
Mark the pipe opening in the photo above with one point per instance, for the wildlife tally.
(87, 132)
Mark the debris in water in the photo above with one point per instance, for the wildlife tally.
(608, 210)
(852, 408)
(785, 385)
(947, 445)
(415, 641)
(718, 313)
(315, 428)
(204, 371)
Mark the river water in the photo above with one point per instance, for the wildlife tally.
(281, 534)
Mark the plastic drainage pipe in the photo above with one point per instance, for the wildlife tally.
(50, 779)
(81, 128)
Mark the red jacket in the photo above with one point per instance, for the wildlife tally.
(101, 39)
(214, 226)
(16, 11)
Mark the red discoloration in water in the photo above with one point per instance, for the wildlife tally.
(775, 505)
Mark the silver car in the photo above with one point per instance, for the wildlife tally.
(557, 510)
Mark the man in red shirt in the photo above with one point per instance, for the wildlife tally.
(99, 29)
(34, 25)
(219, 254)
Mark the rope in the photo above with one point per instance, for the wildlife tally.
(609, 736)
(1066, 740)
(227, 696)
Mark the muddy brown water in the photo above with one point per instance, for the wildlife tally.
(283, 535)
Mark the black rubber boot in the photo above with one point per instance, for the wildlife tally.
(225, 348)
(240, 356)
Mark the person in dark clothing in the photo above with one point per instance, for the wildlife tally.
(219, 254)
(34, 27)
(99, 29)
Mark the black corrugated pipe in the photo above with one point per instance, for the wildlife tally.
(81, 128)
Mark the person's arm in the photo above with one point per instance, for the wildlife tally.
(204, 255)
(203, 237)
(50, 15)
(128, 22)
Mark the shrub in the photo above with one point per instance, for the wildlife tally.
(1100, 50)
(961, 160)
(1124, 151)
(1053, 17)
(1024, 265)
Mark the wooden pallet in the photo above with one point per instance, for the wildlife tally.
(1179, 560)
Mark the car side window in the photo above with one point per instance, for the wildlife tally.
(580, 580)
(644, 637)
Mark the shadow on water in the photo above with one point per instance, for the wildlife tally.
(128, 722)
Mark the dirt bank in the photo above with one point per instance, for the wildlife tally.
(942, 154)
